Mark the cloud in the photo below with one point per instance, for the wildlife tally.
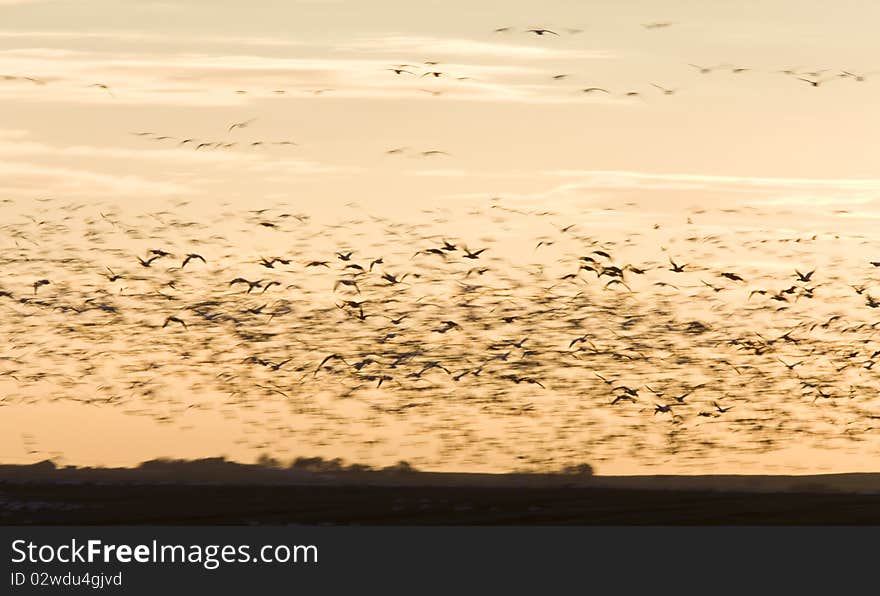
(32, 179)
(258, 159)
(12, 134)
(441, 173)
(437, 46)
(31, 169)
(682, 189)
(642, 180)
(152, 38)
(208, 79)
(139, 72)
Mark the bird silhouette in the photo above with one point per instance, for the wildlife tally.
(148, 262)
(243, 124)
(173, 319)
(190, 257)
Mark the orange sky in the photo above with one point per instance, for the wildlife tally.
(79, 77)
(511, 130)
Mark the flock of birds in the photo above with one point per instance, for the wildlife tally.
(433, 70)
(380, 337)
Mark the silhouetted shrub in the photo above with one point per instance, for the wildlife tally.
(400, 467)
(317, 464)
(578, 470)
(267, 461)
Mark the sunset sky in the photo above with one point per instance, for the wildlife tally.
(126, 125)
(173, 68)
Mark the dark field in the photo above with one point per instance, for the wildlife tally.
(219, 492)
(188, 505)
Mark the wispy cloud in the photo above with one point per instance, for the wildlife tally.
(14, 2)
(754, 190)
(441, 173)
(32, 179)
(438, 46)
(152, 38)
(14, 145)
(12, 134)
(216, 79)
(643, 180)
(29, 168)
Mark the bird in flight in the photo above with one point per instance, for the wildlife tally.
(393, 279)
(804, 277)
(676, 267)
(790, 366)
(104, 87)
(812, 82)
(540, 32)
(657, 25)
(149, 261)
(111, 276)
(190, 257)
(663, 90)
(713, 288)
(661, 409)
(326, 360)
(702, 69)
(270, 263)
(627, 393)
(243, 124)
(473, 254)
(348, 283)
(854, 76)
(33, 80)
(173, 319)
(516, 379)
(594, 90)
(251, 284)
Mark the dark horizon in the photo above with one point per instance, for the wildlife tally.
(320, 492)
